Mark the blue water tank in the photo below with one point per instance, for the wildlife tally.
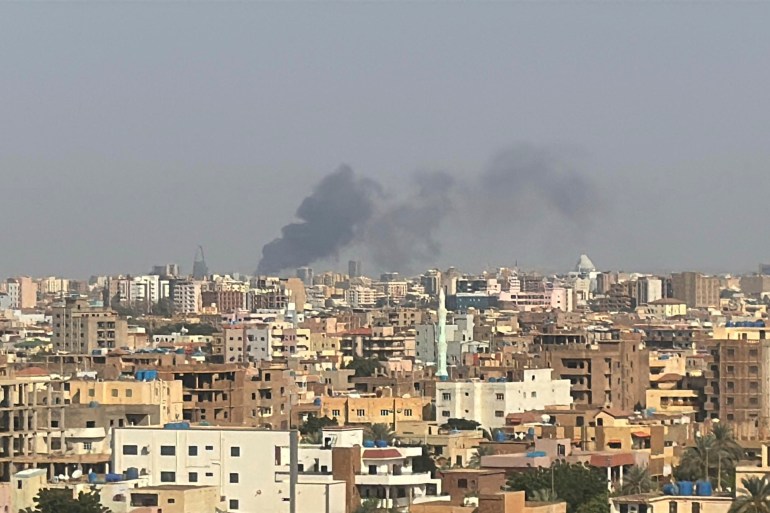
(685, 487)
(499, 436)
(317, 401)
(491, 380)
(368, 444)
(531, 433)
(92, 477)
(150, 375)
(139, 376)
(729, 324)
(177, 425)
(113, 478)
(536, 454)
(132, 473)
(381, 443)
(669, 489)
(703, 488)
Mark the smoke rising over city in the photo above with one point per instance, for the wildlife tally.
(400, 231)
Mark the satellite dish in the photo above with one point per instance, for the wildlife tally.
(546, 418)
(62, 477)
(77, 473)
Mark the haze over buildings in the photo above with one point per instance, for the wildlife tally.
(216, 139)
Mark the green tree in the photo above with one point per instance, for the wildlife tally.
(369, 505)
(637, 480)
(713, 456)
(481, 450)
(315, 424)
(755, 497)
(57, 500)
(314, 437)
(543, 495)
(379, 431)
(424, 462)
(364, 367)
(461, 424)
(574, 483)
(599, 503)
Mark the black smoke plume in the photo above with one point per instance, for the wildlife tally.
(345, 209)
(332, 217)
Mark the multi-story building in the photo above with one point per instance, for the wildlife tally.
(250, 467)
(23, 292)
(186, 296)
(695, 289)
(359, 296)
(604, 368)
(81, 328)
(374, 410)
(648, 290)
(211, 392)
(489, 402)
(224, 301)
(380, 342)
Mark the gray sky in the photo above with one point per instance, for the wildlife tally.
(132, 132)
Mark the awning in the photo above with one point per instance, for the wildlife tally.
(614, 441)
(640, 434)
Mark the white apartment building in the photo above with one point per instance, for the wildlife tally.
(187, 297)
(459, 336)
(249, 466)
(149, 289)
(490, 402)
(360, 296)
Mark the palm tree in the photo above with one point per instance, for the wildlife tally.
(725, 442)
(380, 432)
(756, 498)
(543, 495)
(713, 455)
(481, 450)
(637, 480)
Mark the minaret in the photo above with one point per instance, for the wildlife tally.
(441, 372)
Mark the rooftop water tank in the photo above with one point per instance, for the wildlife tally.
(381, 443)
(669, 489)
(703, 488)
(499, 436)
(113, 478)
(685, 487)
(368, 444)
(317, 401)
(92, 477)
(132, 473)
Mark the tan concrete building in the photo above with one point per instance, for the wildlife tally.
(374, 410)
(173, 498)
(167, 395)
(695, 289)
(80, 328)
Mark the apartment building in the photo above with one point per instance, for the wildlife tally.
(210, 392)
(186, 296)
(490, 402)
(250, 467)
(380, 342)
(374, 410)
(81, 328)
(695, 289)
(22, 291)
(607, 368)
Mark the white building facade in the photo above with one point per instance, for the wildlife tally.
(489, 403)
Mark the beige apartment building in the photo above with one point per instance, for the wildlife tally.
(695, 289)
(81, 328)
(374, 410)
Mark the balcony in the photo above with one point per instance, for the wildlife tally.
(405, 479)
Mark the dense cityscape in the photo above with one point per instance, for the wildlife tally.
(587, 391)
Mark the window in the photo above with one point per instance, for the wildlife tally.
(192, 450)
(754, 369)
(167, 477)
(87, 446)
(753, 353)
(234, 478)
(234, 504)
(500, 397)
(445, 413)
(130, 450)
(408, 412)
(129, 393)
(384, 413)
(730, 352)
(91, 392)
(696, 507)
(360, 412)
(209, 447)
(192, 477)
(335, 413)
(235, 452)
(672, 507)
(90, 423)
(114, 392)
(167, 450)
(499, 413)
(753, 401)
(462, 483)
(277, 455)
(171, 501)
(209, 474)
(446, 396)
(534, 394)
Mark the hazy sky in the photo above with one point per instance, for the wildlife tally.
(132, 132)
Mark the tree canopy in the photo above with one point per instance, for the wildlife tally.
(60, 500)
(576, 484)
(364, 367)
(754, 497)
(461, 424)
(315, 424)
